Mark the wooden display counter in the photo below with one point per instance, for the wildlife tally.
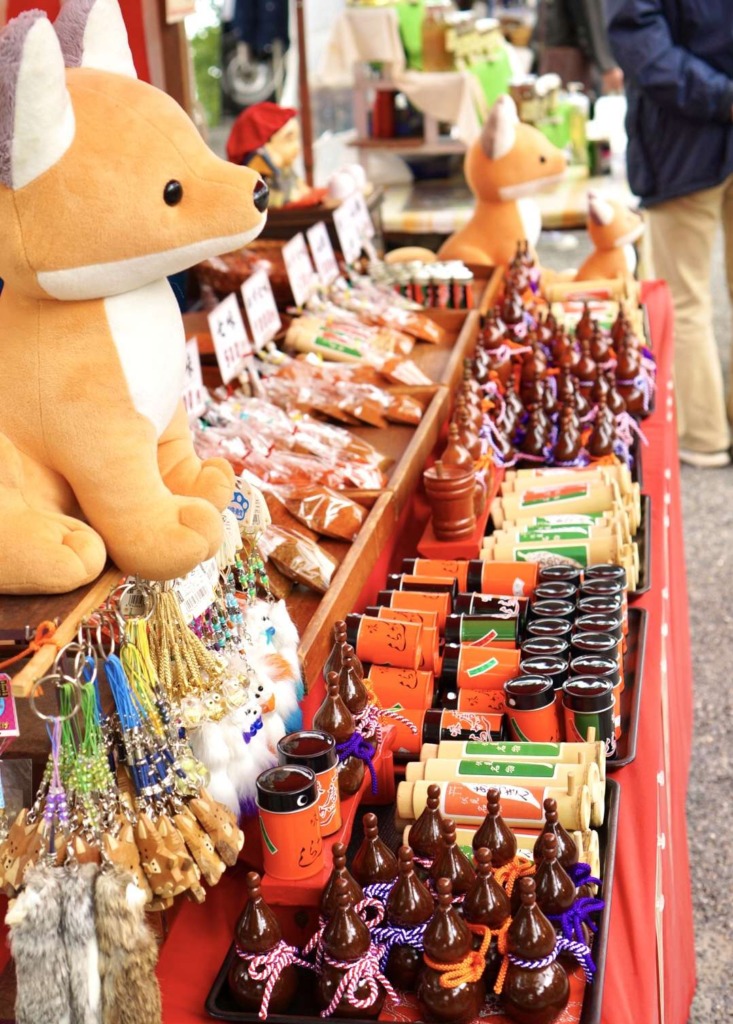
(408, 448)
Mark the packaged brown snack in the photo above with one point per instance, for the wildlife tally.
(326, 512)
(302, 560)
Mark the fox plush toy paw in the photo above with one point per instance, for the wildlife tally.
(613, 229)
(106, 188)
(506, 164)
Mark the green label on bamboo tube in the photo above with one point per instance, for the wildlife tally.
(577, 553)
(485, 666)
(572, 519)
(488, 630)
(566, 531)
(520, 769)
(507, 749)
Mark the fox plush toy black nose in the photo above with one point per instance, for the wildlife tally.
(261, 196)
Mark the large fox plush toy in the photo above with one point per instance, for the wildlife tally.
(503, 167)
(105, 189)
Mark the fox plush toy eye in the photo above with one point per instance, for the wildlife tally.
(106, 188)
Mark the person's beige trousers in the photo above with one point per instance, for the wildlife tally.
(682, 232)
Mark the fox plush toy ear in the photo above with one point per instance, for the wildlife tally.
(92, 35)
(106, 189)
(36, 117)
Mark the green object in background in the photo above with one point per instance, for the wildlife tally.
(411, 16)
(494, 76)
(206, 51)
(565, 128)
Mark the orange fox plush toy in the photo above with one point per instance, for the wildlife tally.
(105, 189)
(613, 228)
(507, 163)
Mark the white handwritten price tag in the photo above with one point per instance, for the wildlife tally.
(231, 343)
(264, 319)
(301, 274)
(194, 392)
(348, 228)
(322, 251)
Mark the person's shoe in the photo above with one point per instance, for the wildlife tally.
(705, 460)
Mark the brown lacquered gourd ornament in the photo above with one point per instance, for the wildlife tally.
(512, 401)
(409, 904)
(467, 432)
(586, 369)
(373, 861)
(258, 932)
(352, 690)
(425, 835)
(533, 994)
(600, 344)
(603, 435)
(567, 851)
(450, 987)
(339, 870)
(533, 442)
(487, 905)
(584, 326)
(333, 661)
(335, 718)
(554, 889)
(568, 444)
(451, 862)
(347, 950)
(495, 834)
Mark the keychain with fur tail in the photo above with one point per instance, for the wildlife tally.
(80, 941)
(41, 964)
(127, 951)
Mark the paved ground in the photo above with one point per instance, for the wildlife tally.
(706, 501)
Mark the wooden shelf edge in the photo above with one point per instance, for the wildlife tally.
(346, 586)
(40, 663)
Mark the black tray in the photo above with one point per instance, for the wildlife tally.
(631, 694)
(644, 544)
(219, 1003)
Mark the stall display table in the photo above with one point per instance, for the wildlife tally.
(443, 206)
(650, 971)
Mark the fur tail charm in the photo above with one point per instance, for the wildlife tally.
(127, 952)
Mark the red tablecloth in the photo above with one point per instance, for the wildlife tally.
(650, 972)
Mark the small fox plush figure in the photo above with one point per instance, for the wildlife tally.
(613, 228)
(507, 163)
(105, 189)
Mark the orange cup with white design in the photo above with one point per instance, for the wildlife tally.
(292, 843)
(317, 751)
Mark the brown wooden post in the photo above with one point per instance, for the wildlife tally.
(306, 123)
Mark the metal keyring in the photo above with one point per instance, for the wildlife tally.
(141, 586)
(82, 653)
(58, 680)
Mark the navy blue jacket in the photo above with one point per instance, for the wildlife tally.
(677, 59)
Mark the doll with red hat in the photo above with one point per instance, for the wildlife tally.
(266, 137)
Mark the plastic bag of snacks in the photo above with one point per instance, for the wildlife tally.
(302, 560)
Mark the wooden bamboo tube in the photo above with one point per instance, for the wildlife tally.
(548, 753)
(522, 806)
(512, 774)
